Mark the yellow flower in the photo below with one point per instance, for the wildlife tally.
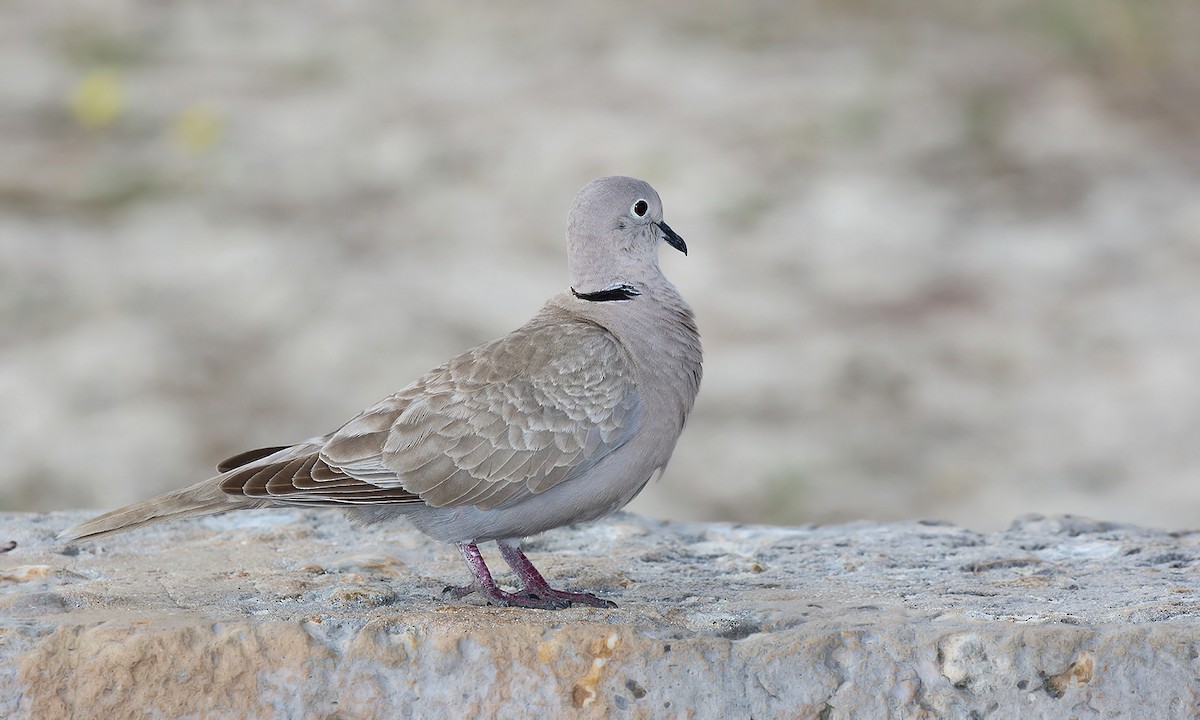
(197, 128)
(98, 99)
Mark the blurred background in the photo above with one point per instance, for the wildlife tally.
(945, 256)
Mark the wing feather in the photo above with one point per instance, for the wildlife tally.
(504, 421)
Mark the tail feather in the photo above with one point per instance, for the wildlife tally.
(203, 498)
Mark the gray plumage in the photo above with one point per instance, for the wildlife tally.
(563, 420)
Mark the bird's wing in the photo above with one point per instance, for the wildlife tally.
(509, 419)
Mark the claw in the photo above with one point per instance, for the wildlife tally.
(459, 591)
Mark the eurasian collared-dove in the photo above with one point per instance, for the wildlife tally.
(564, 420)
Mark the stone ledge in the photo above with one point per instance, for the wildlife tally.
(301, 614)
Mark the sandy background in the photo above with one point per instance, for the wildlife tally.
(946, 262)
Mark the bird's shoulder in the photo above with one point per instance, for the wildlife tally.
(554, 344)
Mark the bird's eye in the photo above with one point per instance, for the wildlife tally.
(640, 208)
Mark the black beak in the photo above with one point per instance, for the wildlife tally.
(673, 238)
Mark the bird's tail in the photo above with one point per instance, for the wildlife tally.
(203, 498)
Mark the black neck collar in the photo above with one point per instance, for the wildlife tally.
(620, 292)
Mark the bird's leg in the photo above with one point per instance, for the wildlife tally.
(534, 585)
(487, 587)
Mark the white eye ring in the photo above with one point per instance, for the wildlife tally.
(639, 209)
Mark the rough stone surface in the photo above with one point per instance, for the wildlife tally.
(301, 614)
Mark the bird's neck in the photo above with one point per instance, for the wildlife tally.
(658, 328)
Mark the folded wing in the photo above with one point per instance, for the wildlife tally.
(504, 421)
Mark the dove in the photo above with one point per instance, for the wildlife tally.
(562, 421)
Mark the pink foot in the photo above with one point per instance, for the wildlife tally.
(535, 593)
